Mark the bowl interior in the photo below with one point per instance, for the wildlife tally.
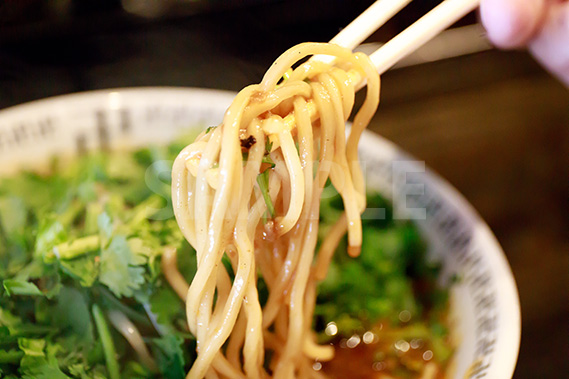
(485, 300)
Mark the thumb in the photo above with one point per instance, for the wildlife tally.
(511, 23)
(551, 44)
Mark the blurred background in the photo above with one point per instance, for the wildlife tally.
(493, 123)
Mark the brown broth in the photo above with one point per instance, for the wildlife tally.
(380, 359)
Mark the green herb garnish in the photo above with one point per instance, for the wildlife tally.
(77, 243)
(263, 181)
(87, 239)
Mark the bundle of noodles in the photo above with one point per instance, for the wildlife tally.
(250, 189)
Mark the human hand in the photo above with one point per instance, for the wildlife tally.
(541, 25)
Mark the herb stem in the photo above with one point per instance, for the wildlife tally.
(263, 181)
(131, 313)
(71, 213)
(75, 248)
(107, 341)
(145, 209)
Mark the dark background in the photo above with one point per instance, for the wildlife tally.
(494, 124)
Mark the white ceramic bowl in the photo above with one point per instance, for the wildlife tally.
(485, 302)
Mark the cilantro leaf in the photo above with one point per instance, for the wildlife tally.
(21, 287)
(85, 269)
(9, 320)
(165, 304)
(120, 270)
(40, 368)
(105, 226)
(38, 365)
(170, 357)
(71, 314)
(32, 347)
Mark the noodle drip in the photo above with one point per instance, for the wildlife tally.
(292, 133)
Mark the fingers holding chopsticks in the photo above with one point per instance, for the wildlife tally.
(541, 25)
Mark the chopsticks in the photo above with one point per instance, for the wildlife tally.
(438, 19)
(367, 23)
(423, 30)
